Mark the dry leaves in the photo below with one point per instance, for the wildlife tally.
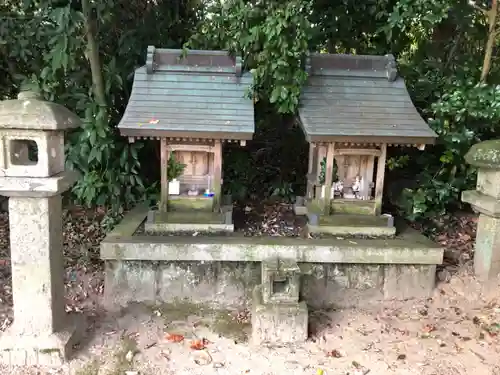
(334, 354)
(199, 344)
(173, 337)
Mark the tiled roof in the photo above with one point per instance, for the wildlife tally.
(359, 98)
(200, 95)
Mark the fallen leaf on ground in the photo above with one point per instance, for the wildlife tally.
(334, 353)
(426, 331)
(199, 344)
(173, 337)
(428, 328)
(493, 329)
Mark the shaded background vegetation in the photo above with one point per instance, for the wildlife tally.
(82, 54)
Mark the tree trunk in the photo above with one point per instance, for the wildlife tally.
(93, 55)
(490, 43)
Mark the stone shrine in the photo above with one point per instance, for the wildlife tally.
(193, 104)
(351, 109)
(33, 177)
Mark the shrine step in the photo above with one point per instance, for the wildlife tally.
(352, 225)
(182, 221)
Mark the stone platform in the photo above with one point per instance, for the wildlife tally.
(277, 323)
(354, 217)
(222, 271)
(189, 221)
(344, 225)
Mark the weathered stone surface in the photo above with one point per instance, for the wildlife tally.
(34, 179)
(238, 249)
(280, 281)
(46, 350)
(486, 200)
(278, 323)
(129, 282)
(343, 285)
(40, 323)
(223, 270)
(40, 187)
(37, 263)
(488, 182)
(211, 283)
(482, 203)
(409, 281)
(345, 230)
(485, 154)
(188, 221)
(487, 247)
(230, 284)
(29, 111)
(14, 156)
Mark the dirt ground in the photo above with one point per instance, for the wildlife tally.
(457, 331)
(454, 332)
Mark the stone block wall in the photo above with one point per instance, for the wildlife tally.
(230, 284)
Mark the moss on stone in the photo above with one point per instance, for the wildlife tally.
(225, 325)
(122, 364)
(50, 351)
(356, 207)
(220, 321)
(90, 368)
(485, 154)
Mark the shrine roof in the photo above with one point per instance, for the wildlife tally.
(201, 94)
(359, 98)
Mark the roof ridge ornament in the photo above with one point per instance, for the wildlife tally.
(238, 66)
(150, 59)
(391, 68)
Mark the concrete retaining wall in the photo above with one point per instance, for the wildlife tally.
(230, 284)
(222, 271)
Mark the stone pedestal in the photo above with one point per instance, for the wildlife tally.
(41, 332)
(278, 318)
(278, 323)
(486, 200)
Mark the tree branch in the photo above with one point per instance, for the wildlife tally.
(477, 7)
(490, 43)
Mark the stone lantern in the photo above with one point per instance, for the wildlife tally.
(32, 175)
(486, 200)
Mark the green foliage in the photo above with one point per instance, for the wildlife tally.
(322, 171)
(174, 168)
(440, 47)
(273, 38)
(48, 43)
(442, 73)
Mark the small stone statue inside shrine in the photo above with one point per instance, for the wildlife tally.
(338, 188)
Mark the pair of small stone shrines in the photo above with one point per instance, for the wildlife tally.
(351, 109)
(32, 175)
